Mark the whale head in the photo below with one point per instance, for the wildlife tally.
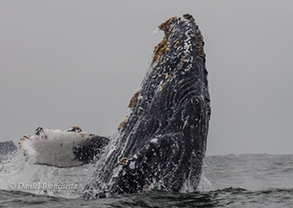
(162, 142)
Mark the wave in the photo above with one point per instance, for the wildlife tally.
(227, 197)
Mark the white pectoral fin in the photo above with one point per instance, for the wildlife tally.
(54, 147)
(57, 152)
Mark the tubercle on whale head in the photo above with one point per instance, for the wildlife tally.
(134, 99)
(131, 104)
(167, 27)
(160, 49)
(122, 124)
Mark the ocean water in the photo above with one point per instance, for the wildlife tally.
(250, 180)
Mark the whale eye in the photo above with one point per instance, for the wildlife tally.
(38, 130)
(194, 101)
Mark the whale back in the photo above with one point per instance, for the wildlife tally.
(162, 142)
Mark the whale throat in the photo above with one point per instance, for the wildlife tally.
(161, 143)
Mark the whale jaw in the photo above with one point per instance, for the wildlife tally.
(162, 142)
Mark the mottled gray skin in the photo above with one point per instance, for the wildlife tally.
(163, 142)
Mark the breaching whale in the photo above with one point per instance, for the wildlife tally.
(161, 143)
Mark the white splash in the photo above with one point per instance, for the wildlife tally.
(205, 184)
(19, 174)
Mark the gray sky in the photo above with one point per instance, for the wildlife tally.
(65, 63)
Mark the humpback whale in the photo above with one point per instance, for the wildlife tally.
(161, 143)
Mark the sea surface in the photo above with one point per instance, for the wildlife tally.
(249, 180)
